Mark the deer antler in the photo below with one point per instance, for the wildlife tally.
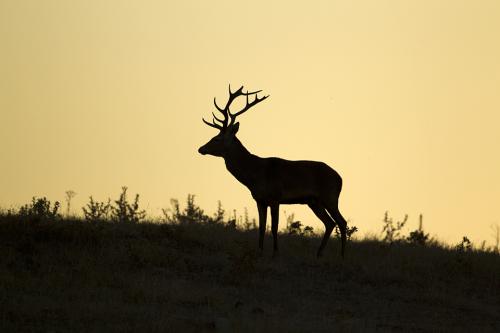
(229, 118)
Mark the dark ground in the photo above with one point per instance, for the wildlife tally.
(74, 276)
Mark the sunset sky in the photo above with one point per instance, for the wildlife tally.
(402, 98)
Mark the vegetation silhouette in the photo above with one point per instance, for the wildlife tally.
(192, 271)
(273, 181)
(122, 211)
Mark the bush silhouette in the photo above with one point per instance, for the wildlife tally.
(41, 209)
(392, 231)
(97, 211)
(125, 212)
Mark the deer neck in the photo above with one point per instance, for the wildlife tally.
(241, 163)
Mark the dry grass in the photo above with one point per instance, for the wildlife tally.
(70, 275)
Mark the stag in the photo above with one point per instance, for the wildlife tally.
(273, 181)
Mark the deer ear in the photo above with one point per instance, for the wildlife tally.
(235, 128)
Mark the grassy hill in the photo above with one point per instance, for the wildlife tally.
(65, 275)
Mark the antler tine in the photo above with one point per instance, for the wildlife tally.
(248, 105)
(233, 95)
(212, 124)
(224, 113)
(240, 92)
(218, 107)
(219, 120)
(251, 92)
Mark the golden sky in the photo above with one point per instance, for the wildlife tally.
(402, 98)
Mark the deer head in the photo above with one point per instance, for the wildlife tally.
(219, 144)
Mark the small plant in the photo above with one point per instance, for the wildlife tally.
(308, 231)
(496, 235)
(418, 237)
(392, 231)
(234, 220)
(69, 196)
(125, 212)
(40, 208)
(8, 212)
(191, 214)
(97, 211)
(464, 246)
(296, 227)
(231, 224)
(349, 231)
(248, 224)
(219, 214)
(174, 216)
(292, 227)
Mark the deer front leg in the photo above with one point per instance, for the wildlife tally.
(275, 215)
(262, 223)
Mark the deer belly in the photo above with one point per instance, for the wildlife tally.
(297, 197)
(284, 195)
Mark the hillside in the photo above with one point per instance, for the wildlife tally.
(72, 275)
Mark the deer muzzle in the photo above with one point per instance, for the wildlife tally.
(202, 150)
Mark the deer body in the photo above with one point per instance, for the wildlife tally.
(273, 181)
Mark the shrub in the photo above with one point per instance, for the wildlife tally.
(97, 211)
(40, 208)
(219, 214)
(392, 231)
(464, 246)
(192, 213)
(296, 227)
(418, 237)
(172, 217)
(125, 212)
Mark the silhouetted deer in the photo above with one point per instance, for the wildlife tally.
(274, 181)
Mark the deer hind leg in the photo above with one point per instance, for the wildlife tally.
(274, 226)
(329, 223)
(333, 209)
(262, 223)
